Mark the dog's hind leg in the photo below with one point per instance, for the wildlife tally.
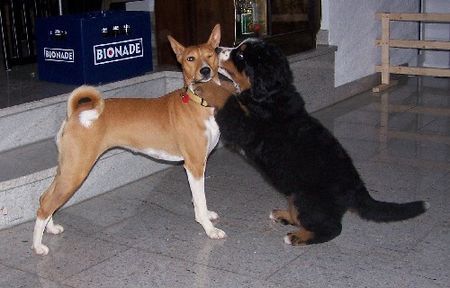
(38, 232)
(286, 217)
(72, 170)
(203, 216)
(320, 235)
(282, 216)
(39, 228)
(300, 237)
(315, 229)
(317, 223)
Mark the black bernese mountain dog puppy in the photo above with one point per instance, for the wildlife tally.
(268, 123)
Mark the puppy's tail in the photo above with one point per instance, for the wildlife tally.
(87, 97)
(378, 211)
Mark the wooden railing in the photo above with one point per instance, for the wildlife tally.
(386, 43)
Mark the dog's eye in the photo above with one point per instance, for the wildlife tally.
(240, 55)
(190, 58)
(209, 56)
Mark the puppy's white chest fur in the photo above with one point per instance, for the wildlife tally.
(212, 133)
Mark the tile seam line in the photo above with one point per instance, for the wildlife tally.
(196, 263)
(161, 254)
(34, 274)
(282, 267)
(93, 265)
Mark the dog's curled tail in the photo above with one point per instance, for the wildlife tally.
(378, 211)
(86, 96)
(90, 99)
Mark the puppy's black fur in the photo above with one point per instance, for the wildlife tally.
(296, 153)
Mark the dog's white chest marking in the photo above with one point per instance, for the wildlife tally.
(87, 117)
(161, 155)
(212, 133)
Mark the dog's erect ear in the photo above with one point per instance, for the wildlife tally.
(214, 38)
(176, 47)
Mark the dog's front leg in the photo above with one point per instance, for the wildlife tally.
(202, 215)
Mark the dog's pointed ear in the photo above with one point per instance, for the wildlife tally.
(214, 38)
(176, 47)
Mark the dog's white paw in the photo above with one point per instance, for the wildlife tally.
(272, 217)
(55, 229)
(213, 215)
(40, 249)
(216, 233)
(287, 240)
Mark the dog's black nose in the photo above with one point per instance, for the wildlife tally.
(218, 50)
(205, 71)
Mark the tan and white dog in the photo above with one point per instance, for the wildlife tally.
(176, 127)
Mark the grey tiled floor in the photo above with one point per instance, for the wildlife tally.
(144, 234)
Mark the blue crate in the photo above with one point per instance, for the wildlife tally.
(93, 48)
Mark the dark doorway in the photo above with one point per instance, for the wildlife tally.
(291, 24)
(17, 19)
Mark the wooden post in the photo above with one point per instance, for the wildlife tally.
(385, 34)
(384, 43)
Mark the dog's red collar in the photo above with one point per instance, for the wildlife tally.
(188, 95)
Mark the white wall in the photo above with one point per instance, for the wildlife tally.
(145, 5)
(433, 31)
(325, 23)
(353, 28)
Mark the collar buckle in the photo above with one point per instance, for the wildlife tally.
(189, 94)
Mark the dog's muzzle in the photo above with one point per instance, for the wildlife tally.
(206, 72)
